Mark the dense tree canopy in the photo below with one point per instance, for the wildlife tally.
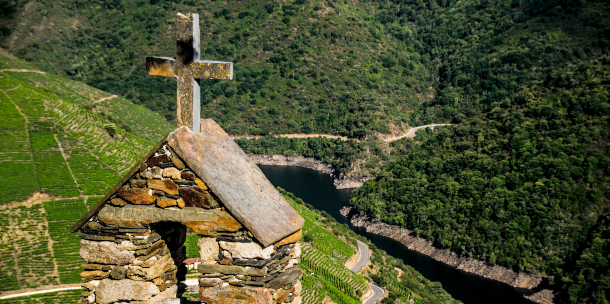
(521, 185)
(521, 179)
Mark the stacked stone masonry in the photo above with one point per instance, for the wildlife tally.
(134, 246)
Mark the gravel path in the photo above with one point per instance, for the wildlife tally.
(25, 294)
(411, 133)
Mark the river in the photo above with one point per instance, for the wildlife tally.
(317, 189)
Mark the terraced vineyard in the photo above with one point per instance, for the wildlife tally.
(327, 244)
(16, 159)
(8, 271)
(61, 215)
(313, 291)
(388, 279)
(331, 270)
(72, 152)
(322, 261)
(135, 118)
(25, 245)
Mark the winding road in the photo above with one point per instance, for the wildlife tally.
(364, 258)
(377, 294)
(410, 133)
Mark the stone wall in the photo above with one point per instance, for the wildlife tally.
(131, 264)
(134, 246)
(238, 268)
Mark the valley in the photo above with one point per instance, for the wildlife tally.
(89, 154)
(514, 174)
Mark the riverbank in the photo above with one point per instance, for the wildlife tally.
(340, 182)
(467, 264)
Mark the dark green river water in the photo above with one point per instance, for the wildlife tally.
(318, 190)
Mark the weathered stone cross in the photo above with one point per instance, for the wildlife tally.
(188, 69)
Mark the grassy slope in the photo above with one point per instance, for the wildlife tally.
(44, 114)
(139, 120)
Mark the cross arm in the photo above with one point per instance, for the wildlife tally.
(207, 69)
(160, 66)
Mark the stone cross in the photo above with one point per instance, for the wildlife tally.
(188, 69)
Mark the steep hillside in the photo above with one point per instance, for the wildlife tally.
(328, 244)
(128, 116)
(522, 179)
(300, 66)
(53, 140)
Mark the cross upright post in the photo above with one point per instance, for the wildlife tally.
(188, 69)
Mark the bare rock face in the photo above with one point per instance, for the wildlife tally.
(137, 196)
(545, 296)
(171, 173)
(293, 238)
(168, 296)
(151, 173)
(284, 278)
(209, 282)
(234, 295)
(247, 250)
(104, 253)
(163, 265)
(110, 291)
(208, 249)
(166, 185)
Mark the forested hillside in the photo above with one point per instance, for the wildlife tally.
(522, 179)
(300, 66)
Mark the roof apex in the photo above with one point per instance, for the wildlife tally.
(239, 184)
(230, 174)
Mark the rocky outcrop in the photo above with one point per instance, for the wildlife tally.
(111, 291)
(545, 296)
(413, 242)
(341, 182)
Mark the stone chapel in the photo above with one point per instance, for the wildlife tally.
(196, 179)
